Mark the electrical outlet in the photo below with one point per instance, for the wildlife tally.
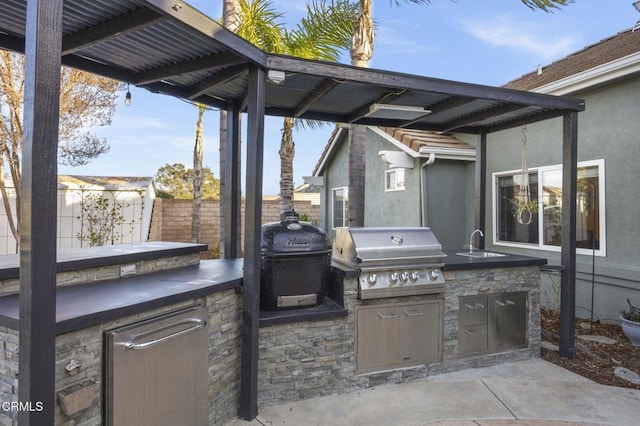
(128, 270)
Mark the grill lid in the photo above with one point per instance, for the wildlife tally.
(377, 247)
(291, 236)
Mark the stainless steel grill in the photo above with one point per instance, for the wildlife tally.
(393, 261)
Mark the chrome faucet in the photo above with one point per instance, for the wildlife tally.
(471, 239)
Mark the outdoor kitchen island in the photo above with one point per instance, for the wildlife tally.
(103, 290)
(302, 353)
(486, 313)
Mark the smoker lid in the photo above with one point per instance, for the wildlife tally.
(367, 246)
(291, 236)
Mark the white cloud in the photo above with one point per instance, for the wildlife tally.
(505, 31)
(400, 40)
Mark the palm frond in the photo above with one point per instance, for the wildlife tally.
(325, 32)
(259, 24)
(546, 5)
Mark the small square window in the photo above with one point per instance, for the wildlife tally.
(394, 180)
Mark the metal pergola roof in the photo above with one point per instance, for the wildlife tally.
(169, 47)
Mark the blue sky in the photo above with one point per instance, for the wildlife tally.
(484, 42)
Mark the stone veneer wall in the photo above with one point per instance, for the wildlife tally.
(308, 359)
(85, 346)
(83, 276)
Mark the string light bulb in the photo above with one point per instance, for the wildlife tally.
(127, 97)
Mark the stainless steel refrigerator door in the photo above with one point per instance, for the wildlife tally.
(157, 371)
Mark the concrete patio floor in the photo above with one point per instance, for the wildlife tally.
(532, 392)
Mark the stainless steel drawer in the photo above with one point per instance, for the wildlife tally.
(156, 371)
(472, 339)
(473, 310)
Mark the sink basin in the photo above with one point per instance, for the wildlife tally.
(482, 254)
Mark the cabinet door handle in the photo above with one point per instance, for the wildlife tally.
(392, 315)
(473, 332)
(505, 303)
(474, 306)
(413, 313)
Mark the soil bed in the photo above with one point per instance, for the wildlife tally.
(595, 361)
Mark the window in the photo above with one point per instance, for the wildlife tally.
(340, 205)
(546, 228)
(394, 180)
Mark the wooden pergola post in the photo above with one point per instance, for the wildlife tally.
(253, 221)
(568, 250)
(37, 329)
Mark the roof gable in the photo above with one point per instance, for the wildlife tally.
(413, 141)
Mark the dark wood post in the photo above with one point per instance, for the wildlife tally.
(253, 220)
(481, 186)
(43, 44)
(568, 250)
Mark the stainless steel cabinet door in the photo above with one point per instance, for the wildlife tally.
(157, 371)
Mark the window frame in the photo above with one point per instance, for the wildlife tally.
(601, 251)
(345, 207)
(395, 171)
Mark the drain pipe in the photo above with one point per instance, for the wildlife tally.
(423, 212)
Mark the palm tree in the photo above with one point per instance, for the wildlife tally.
(323, 34)
(361, 52)
(230, 20)
(198, 151)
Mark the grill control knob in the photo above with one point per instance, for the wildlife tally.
(414, 276)
(393, 278)
(371, 279)
(433, 275)
(404, 276)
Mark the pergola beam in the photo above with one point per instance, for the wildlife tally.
(104, 31)
(222, 77)
(317, 94)
(201, 64)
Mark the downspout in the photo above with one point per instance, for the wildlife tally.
(423, 211)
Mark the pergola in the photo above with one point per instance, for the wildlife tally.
(170, 48)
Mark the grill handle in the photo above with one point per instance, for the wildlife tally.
(393, 315)
(198, 325)
(413, 313)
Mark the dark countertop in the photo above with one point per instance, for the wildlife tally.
(84, 305)
(92, 257)
(456, 262)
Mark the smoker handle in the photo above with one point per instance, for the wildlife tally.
(413, 313)
(508, 302)
(387, 316)
(198, 325)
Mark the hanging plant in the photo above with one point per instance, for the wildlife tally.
(524, 207)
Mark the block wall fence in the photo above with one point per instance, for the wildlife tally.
(171, 219)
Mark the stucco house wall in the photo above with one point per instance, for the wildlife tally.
(607, 130)
(389, 208)
(438, 192)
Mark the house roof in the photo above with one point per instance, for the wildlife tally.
(109, 183)
(414, 140)
(621, 46)
(172, 48)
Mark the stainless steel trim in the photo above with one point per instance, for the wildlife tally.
(297, 300)
(400, 291)
(136, 346)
